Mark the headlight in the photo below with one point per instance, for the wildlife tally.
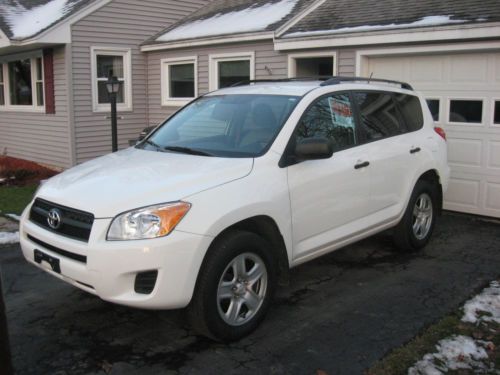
(149, 222)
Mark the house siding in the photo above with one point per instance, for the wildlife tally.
(124, 24)
(266, 58)
(41, 137)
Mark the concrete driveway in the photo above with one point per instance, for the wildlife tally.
(340, 313)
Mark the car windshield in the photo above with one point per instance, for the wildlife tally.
(224, 126)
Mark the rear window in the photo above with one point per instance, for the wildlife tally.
(411, 111)
(379, 116)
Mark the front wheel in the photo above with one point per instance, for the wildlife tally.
(234, 287)
(415, 228)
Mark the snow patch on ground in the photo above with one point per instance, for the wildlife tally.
(485, 306)
(457, 352)
(254, 18)
(425, 21)
(25, 22)
(9, 238)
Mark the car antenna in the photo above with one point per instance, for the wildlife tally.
(369, 79)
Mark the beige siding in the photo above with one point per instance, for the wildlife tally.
(37, 136)
(126, 24)
(265, 58)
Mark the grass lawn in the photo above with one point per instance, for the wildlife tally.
(13, 199)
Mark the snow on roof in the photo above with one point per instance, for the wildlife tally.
(25, 19)
(255, 18)
(425, 21)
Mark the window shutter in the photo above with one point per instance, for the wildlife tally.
(48, 75)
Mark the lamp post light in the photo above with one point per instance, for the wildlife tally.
(113, 86)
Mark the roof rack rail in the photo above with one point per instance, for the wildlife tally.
(297, 79)
(339, 79)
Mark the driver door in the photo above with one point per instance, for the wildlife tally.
(329, 197)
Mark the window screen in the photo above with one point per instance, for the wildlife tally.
(331, 118)
(379, 117)
(20, 82)
(231, 72)
(411, 111)
(182, 81)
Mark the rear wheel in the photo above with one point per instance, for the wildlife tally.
(415, 228)
(234, 288)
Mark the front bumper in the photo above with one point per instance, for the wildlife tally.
(111, 267)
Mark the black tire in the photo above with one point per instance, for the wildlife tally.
(406, 237)
(206, 310)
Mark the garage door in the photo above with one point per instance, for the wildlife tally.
(464, 93)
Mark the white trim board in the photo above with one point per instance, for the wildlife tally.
(431, 34)
(209, 41)
(363, 55)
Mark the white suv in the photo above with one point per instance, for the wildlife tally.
(212, 209)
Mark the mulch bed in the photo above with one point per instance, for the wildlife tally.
(19, 172)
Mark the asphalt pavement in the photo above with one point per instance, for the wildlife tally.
(340, 313)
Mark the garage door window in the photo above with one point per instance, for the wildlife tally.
(434, 106)
(496, 116)
(466, 111)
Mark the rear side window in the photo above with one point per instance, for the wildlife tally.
(378, 114)
(411, 111)
(330, 117)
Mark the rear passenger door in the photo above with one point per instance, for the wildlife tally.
(387, 151)
(328, 197)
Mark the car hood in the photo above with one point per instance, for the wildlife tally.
(135, 178)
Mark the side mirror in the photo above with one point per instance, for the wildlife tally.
(313, 148)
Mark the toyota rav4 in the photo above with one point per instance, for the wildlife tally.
(213, 208)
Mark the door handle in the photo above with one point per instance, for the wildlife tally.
(362, 165)
(415, 150)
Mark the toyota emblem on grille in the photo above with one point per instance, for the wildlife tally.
(54, 218)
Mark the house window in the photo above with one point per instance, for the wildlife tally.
(466, 111)
(109, 62)
(229, 69)
(321, 64)
(2, 87)
(179, 81)
(22, 85)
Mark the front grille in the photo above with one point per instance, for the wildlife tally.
(74, 224)
(145, 282)
(64, 253)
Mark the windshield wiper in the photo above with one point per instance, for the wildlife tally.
(186, 150)
(153, 144)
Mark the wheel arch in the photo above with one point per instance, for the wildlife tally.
(432, 176)
(266, 227)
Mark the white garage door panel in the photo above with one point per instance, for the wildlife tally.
(473, 149)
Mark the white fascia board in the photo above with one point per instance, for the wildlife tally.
(4, 41)
(294, 20)
(60, 33)
(434, 34)
(209, 41)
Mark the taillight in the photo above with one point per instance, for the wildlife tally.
(441, 132)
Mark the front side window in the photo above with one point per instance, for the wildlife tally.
(21, 89)
(225, 126)
(332, 118)
(379, 116)
(2, 87)
(111, 63)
